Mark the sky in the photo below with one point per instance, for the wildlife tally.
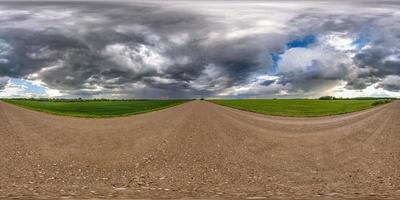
(191, 49)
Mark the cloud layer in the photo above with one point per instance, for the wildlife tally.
(185, 49)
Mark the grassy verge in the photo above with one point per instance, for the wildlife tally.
(300, 107)
(383, 101)
(97, 109)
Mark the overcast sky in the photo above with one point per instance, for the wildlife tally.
(189, 49)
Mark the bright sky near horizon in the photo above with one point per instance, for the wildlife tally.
(190, 49)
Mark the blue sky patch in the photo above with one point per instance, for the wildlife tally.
(302, 42)
(29, 86)
(275, 59)
(360, 42)
(363, 37)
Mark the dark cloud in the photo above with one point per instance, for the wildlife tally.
(379, 59)
(267, 82)
(191, 49)
(391, 83)
(3, 82)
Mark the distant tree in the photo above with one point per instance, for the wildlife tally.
(327, 98)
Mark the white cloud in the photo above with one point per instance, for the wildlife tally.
(256, 88)
(339, 41)
(53, 93)
(212, 78)
(371, 91)
(162, 80)
(138, 58)
(298, 59)
(317, 60)
(12, 91)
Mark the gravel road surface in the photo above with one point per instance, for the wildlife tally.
(200, 150)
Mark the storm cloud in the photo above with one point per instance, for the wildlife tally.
(3, 82)
(187, 49)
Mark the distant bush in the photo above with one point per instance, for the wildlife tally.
(374, 98)
(358, 98)
(378, 102)
(327, 98)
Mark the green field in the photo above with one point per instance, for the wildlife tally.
(299, 107)
(96, 108)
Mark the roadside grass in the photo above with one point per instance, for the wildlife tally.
(383, 101)
(96, 108)
(300, 107)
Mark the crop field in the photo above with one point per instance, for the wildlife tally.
(96, 108)
(299, 107)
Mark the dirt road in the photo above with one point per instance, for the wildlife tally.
(199, 149)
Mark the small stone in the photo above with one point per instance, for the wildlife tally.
(255, 198)
(140, 183)
(332, 194)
